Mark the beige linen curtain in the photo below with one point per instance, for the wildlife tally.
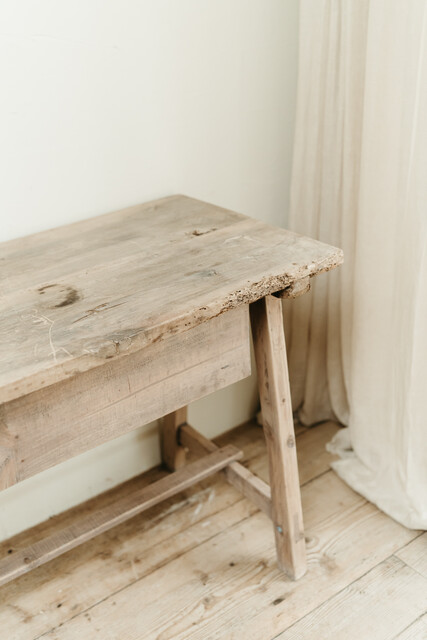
(358, 342)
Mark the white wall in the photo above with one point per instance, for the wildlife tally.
(109, 103)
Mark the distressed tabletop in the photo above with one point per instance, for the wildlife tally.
(77, 295)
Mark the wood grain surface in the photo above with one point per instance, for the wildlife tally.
(51, 425)
(76, 296)
(278, 426)
(14, 565)
(202, 566)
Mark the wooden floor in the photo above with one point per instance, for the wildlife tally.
(202, 566)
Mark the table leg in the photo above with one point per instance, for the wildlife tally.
(173, 455)
(276, 407)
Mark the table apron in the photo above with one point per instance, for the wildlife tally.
(58, 422)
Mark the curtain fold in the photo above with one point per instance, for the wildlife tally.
(357, 344)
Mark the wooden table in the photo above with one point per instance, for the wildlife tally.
(116, 321)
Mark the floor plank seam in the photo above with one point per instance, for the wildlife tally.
(332, 596)
(193, 499)
(396, 557)
(250, 459)
(175, 557)
(421, 533)
(171, 559)
(144, 576)
(399, 634)
(322, 473)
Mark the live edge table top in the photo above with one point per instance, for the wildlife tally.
(81, 294)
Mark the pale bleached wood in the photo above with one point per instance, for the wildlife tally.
(195, 441)
(241, 478)
(309, 440)
(173, 455)
(86, 326)
(61, 421)
(347, 537)
(313, 459)
(252, 487)
(74, 582)
(333, 565)
(379, 605)
(298, 427)
(415, 554)
(278, 425)
(416, 631)
(8, 466)
(295, 290)
(97, 522)
(197, 596)
(128, 279)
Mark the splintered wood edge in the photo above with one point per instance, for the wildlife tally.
(112, 350)
(294, 290)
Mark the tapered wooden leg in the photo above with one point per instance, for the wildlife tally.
(273, 382)
(173, 455)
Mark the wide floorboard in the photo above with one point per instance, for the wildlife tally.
(201, 566)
